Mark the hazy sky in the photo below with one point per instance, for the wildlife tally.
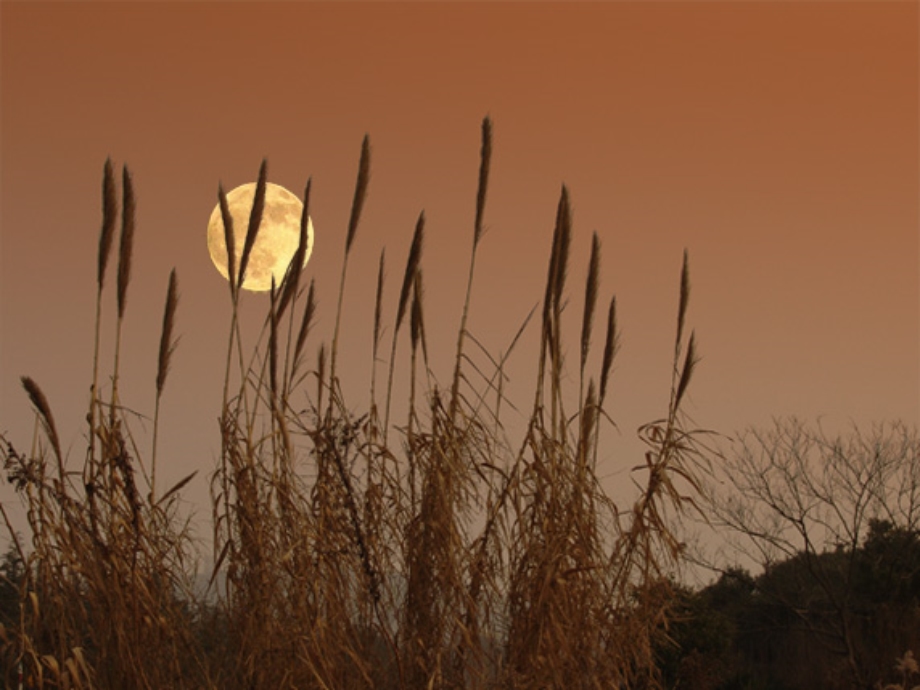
(776, 141)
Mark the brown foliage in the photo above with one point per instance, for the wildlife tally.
(449, 557)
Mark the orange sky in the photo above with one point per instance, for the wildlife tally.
(777, 141)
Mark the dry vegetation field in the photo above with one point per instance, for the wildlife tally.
(358, 550)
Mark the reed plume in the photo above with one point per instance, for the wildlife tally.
(357, 205)
(125, 254)
(684, 299)
(291, 280)
(564, 238)
(40, 402)
(167, 347)
(378, 299)
(412, 264)
(587, 321)
(106, 236)
(126, 249)
(255, 221)
(167, 343)
(485, 162)
(273, 316)
(320, 375)
(611, 346)
(552, 306)
(252, 232)
(378, 314)
(229, 239)
(364, 171)
(681, 375)
(109, 214)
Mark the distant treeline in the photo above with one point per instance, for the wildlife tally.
(835, 620)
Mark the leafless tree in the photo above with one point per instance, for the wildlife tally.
(794, 493)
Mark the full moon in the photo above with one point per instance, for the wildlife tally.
(276, 243)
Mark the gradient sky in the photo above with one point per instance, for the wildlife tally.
(776, 141)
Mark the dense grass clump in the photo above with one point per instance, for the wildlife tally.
(358, 550)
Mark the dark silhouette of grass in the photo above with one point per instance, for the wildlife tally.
(358, 552)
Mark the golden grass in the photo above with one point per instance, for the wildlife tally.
(350, 552)
(167, 347)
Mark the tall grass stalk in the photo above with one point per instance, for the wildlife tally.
(106, 236)
(125, 255)
(412, 267)
(441, 551)
(167, 347)
(364, 168)
(485, 164)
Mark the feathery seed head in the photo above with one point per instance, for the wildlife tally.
(485, 162)
(379, 299)
(591, 288)
(109, 213)
(127, 240)
(167, 344)
(364, 169)
(292, 276)
(415, 256)
(229, 238)
(611, 345)
(44, 411)
(255, 221)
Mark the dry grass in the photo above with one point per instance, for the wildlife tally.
(356, 552)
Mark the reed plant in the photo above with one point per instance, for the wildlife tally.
(107, 589)
(353, 549)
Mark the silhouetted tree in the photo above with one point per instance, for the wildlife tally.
(834, 523)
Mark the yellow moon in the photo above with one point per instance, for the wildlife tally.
(276, 243)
